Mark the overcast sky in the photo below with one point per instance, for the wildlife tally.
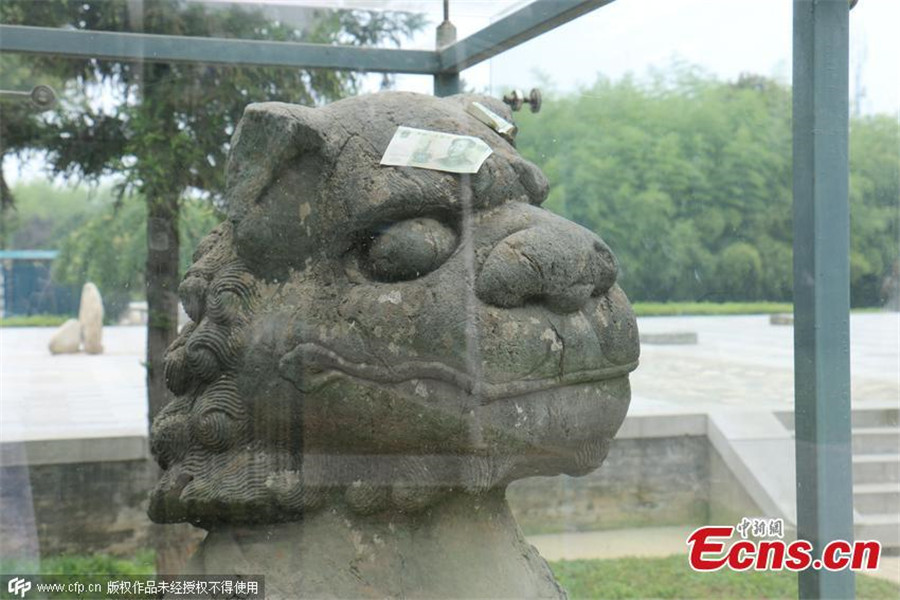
(726, 37)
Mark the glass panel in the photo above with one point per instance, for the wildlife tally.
(356, 364)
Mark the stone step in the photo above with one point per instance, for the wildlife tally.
(877, 498)
(876, 440)
(876, 468)
(884, 528)
(875, 417)
(861, 418)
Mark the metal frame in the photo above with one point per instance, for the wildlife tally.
(822, 287)
(172, 48)
(444, 64)
(821, 207)
(519, 27)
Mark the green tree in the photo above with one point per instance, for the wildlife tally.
(740, 270)
(17, 127)
(110, 249)
(688, 178)
(43, 214)
(874, 210)
(20, 123)
(164, 125)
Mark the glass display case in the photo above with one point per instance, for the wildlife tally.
(356, 298)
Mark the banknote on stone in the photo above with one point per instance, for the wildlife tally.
(435, 150)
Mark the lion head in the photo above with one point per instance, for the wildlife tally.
(382, 336)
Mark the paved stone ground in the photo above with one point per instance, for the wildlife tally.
(71, 395)
(744, 362)
(741, 362)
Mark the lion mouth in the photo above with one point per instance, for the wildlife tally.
(311, 366)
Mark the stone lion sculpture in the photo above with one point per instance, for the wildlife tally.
(375, 352)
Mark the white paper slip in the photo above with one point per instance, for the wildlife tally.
(435, 150)
(492, 120)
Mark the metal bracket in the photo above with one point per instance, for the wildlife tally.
(42, 97)
(516, 98)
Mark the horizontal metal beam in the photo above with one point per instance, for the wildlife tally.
(526, 23)
(105, 45)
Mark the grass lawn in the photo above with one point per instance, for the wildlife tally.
(665, 309)
(672, 577)
(142, 564)
(34, 321)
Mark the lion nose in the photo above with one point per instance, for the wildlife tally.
(556, 263)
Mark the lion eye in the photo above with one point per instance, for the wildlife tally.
(409, 249)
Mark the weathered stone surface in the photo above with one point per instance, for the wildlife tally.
(18, 526)
(90, 315)
(376, 352)
(79, 508)
(643, 482)
(66, 339)
(446, 552)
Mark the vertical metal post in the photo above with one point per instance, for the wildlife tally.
(821, 287)
(446, 84)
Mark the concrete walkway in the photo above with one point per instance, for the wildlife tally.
(744, 363)
(45, 397)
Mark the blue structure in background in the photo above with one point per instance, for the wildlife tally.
(27, 288)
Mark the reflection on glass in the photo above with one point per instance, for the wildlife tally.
(348, 341)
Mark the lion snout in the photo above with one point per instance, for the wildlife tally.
(554, 263)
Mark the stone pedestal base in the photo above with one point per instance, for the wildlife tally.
(464, 547)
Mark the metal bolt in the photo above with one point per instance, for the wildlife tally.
(43, 96)
(516, 98)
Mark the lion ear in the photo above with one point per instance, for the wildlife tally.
(269, 135)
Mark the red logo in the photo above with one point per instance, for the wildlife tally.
(712, 548)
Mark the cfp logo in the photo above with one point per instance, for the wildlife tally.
(18, 586)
